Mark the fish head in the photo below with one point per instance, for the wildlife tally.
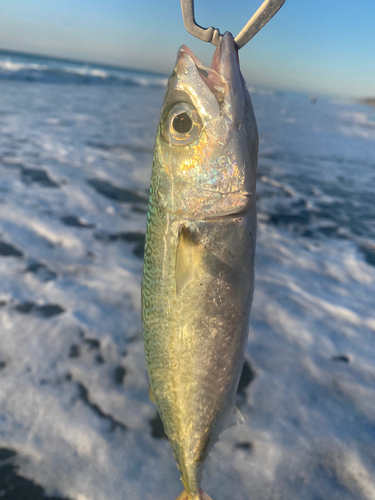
(207, 144)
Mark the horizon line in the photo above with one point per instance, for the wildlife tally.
(360, 100)
(74, 60)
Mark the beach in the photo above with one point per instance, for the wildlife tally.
(76, 148)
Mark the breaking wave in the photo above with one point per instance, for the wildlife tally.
(74, 73)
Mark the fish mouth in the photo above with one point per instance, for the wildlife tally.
(224, 66)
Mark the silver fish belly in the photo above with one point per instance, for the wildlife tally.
(198, 274)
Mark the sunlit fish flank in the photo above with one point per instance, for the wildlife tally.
(199, 258)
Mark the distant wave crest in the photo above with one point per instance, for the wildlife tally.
(11, 70)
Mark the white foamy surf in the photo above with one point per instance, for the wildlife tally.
(75, 165)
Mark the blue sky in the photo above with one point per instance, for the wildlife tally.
(318, 46)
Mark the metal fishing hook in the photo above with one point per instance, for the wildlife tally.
(261, 17)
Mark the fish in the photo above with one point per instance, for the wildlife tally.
(198, 275)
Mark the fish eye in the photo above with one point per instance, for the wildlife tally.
(182, 124)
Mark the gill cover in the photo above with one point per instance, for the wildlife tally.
(206, 137)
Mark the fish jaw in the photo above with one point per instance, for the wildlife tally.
(220, 163)
(223, 79)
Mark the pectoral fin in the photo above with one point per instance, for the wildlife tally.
(188, 258)
(193, 259)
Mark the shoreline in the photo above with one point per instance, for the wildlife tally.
(370, 101)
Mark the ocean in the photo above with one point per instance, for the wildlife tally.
(76, 147)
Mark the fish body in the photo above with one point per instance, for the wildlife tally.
(198, 274)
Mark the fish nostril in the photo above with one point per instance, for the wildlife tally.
(182, 123)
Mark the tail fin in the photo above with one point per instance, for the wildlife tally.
(186, 496)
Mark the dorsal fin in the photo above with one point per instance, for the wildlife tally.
(235, 417)
(151, 395)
